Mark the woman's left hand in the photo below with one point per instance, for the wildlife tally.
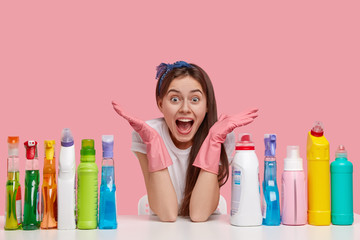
(208, 156)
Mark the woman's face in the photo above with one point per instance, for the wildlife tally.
(184, 108)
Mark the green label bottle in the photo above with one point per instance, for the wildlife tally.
(87, 190)
(32, 180)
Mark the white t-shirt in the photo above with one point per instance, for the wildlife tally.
(179, 157)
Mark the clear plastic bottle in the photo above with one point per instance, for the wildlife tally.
(107, 206)
(32, 215)
(13, 215)
(245, 186)
(271, 203)
(49, 188)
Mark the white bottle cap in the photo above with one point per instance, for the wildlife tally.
(293, 161)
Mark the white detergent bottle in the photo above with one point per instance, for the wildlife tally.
(245, 186)
(66, 182)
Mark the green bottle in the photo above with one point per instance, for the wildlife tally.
(87, 195)
(13, 190)
(342, 212)
(32, 179)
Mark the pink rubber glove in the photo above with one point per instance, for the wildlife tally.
(208, 156)
(157, 154)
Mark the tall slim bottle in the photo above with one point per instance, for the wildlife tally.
(107, 206)
(13, 206)
(66, 182)
(294, 201)
(342, 209)
(49, 188)
(245, 186)
(31, 219)
(271, 203)
(87, 187)
(318, 177)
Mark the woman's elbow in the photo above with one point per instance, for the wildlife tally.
(198, 216)
(167, 216)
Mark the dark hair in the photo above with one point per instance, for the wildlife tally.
(210, 118)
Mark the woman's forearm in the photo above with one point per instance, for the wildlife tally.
(161, 193)
(205, 196)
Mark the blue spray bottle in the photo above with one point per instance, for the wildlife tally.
(107, 208)
(271, 204)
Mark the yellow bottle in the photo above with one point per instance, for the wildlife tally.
(318, 157)
(49, 188)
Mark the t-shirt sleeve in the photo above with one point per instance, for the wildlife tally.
(137, 144)
(229, 145)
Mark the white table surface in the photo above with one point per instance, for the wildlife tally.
(217, 227)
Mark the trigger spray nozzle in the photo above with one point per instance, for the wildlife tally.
(270, 145)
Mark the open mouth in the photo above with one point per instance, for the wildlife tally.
(184, 126)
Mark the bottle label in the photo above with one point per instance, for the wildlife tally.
(18, 206)
(235, 191)
(37, 207)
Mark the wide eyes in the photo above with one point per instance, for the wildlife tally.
(195, 99)
(174, 99)
(177, 99)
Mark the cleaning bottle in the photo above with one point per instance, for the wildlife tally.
(13, 206)
(87, 187)
(318, 158)
(107, 206)
(271, 203)
(294, 200)
(245, 186)
(49, 188)
(31, 219)
(342, 212)
(66, 182)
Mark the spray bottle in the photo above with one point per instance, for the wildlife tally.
(271, 203)
(49, 188)
(245, 186)
(87, 187)
(13, 213)
(32, 179)
(66, 182)
(293, 189)
(342, 209)
(318, 157)
(107, 206)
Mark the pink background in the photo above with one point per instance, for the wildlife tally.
(61, 64)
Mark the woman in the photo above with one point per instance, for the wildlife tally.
(182, 155)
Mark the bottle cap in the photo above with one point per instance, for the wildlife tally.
(270, 145)
(67, 139)
(245, 142)
(293, 161)
(87, 151)
(108, 145)
(31, 149)
(341, 152)
(13, 146)
(318, 129)
(49, 149)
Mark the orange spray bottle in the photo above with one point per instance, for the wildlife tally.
(49, 188)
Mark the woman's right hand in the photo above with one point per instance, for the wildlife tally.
(157, 153)
(146, 132)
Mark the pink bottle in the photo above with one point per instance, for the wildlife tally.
(294, 199)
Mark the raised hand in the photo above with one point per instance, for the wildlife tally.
(209, 154)
(157, 154)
